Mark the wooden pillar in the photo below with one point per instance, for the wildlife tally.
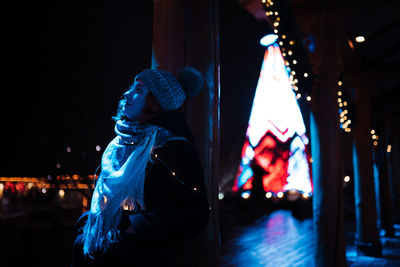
(393, 169)
(384, 203)
(367, 238)
(325, 142)
(186, 34)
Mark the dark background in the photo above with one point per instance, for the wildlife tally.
(68, 62)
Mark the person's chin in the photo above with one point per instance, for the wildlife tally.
(125, 115)
(130, 117)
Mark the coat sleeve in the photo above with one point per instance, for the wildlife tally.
(175, 195)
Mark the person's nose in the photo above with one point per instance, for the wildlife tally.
(128, 97)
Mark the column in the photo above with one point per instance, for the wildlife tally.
(367, 238)
(186, 34)
(385, 218)
(325, 142)
(393, 169)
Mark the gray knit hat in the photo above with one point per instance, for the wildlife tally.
(171, 90)
(164, 86)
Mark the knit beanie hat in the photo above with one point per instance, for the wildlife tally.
(171, 91)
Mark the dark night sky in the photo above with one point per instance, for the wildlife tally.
(68, 63)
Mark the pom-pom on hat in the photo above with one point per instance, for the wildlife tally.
(171, 91)
(191, 81)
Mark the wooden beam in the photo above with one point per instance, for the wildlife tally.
(186, 34)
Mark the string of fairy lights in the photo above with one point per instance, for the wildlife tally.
(301, 78)
(344, 113)
(374, 137)
(375, 141)
(292, 46)
(295, 57)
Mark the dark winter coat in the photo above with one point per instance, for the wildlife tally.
(176, 205)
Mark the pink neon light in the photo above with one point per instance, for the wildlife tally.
(274, 155)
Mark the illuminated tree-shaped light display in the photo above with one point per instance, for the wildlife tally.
(274, 155)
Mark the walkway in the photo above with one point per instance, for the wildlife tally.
(278, 239)
(390, 251)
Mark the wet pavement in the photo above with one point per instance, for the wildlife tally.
(280, 239)
(276, 239)
(272, 237)
(390, 251)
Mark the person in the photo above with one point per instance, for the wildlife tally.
(151, 191)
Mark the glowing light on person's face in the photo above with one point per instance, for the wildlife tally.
(134, 100)
(268, 39)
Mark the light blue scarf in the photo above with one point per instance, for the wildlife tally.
(121, 182)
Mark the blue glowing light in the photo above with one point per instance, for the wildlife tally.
(246, 174)
(268, 39)
(311, 43)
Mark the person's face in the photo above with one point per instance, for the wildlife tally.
(135, 101)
